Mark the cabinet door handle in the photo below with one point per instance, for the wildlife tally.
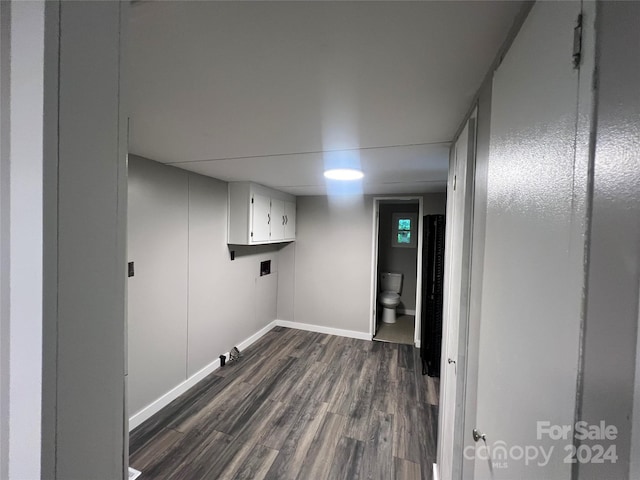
(268, 219)
(286, 219)
(283, 219)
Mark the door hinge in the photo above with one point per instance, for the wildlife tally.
(251, 199)
(455, 181)
(252, 234)
(577, 42)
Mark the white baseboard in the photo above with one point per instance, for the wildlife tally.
(321, 329)
(147, 412)
(154, 407)
(253, 338)
(417, 343)
(436, 472)
(406, 311)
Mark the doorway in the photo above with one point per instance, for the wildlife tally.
(397, 251)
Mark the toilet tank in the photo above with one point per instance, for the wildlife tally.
(391, 282)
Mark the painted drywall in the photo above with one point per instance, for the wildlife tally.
(83, 424)
(91, 250)
(228, 300)
(614, 270)
(158, 239)
(634, 467)
(398, 259)
(5, 238)
(286, 280)
(434, 203)
(331, 263)
(188, 301)
(23, 159)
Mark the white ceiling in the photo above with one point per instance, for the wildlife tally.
(274, 91)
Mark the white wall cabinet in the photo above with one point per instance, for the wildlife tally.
(259, 215)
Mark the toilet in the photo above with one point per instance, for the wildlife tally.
(389, 298)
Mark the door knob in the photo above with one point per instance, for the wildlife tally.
(477, 435)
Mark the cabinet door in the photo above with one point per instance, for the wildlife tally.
(260, 219)
(277, 219)
(289, 220)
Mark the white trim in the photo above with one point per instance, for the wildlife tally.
(322, 329)
(436, 472)
(418, 311)
(256, 336)
(154, 407)
(373, 301)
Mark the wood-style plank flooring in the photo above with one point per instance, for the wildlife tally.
(298, 405)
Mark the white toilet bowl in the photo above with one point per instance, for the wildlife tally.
(389, 297)
(389, 302)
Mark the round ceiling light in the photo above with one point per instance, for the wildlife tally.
(343, 174)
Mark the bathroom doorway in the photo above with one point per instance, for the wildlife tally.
(397, 251)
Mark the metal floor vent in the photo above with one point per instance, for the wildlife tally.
(133, 473)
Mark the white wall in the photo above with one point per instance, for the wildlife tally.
(65, 255)
(286, 281)
(330, 262)
(22, 237)
(614, 269)
(333, 262)
(89, 261)
(158, 239)
(5, 78)
(188, 301)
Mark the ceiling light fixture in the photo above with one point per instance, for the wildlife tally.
(343, 174)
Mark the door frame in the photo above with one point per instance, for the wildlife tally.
(374, 263)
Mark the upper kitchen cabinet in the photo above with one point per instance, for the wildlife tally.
(259, 215)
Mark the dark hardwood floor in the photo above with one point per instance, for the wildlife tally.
(298, 405)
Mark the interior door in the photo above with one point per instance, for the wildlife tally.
(455, 285)
(261, 218)
(531, 280)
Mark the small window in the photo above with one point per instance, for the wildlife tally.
(404, 230)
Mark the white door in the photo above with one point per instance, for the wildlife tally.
(455, 285)
(261, 218)
(289, 220)
(277, 219)
(531, 287)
